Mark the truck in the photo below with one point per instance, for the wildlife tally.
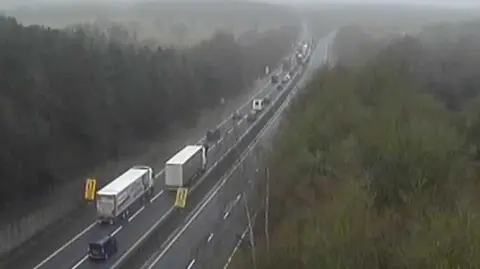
(286, 65)
(115, 199)
(183, 167)
(252, 115)
(257, 105)
(299, 58)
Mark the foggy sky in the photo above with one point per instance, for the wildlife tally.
(8, 4)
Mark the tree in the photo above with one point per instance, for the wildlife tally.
(77, 98)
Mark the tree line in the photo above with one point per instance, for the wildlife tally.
(376, 166)
(74, 98)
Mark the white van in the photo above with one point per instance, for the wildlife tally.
(257, 105)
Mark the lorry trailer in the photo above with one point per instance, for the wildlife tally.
(115, 199)
(257, 104)
(184, 166)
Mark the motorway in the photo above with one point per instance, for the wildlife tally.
(213, 229)
(69, 249)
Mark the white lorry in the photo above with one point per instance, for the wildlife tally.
(115, 199)
(257, 105)
(187, 164)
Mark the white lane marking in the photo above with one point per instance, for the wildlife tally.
(210, 237)
(117, 231)
(55, 253)
(159, 173)
(118, 262)
(136, 213)
(199, 208)
(225, 216)
(245, 154)
(156, 196)
(140, 240)
(86, 256)
(80, 262)
(265, 86)
(230, 206)
(190, 265)
(235, 249)
(73, 239)
(196, 212)
(261, 89)
(190, 218)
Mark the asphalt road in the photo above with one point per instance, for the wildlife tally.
(217, 225)
(235, 234)
(68, 249)
(143, 225)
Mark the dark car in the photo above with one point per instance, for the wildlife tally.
(286, 78)
(266, 100)
(213, 135)
(252, 116)
(274, 79)
(236, 116)
(103, 248)
(280, 87)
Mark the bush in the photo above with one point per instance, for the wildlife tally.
(371, 173)
(71, 99)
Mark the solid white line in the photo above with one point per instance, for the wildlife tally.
(194, 187)
(172, 208)
(210, 237)
(235, 249)
(191, 218)
(156, 196)
(136, 213)
(65, 245)
(117, 231)
(274, 118)
(80, 262)
(225, 216)
(230, 257)
(145, 235)
(216, 189)
(190, 265)
(265, 128)
(262, 88)
(86, 256)
(159, 173)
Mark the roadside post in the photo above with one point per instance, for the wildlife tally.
(181, 198)
(90, 189)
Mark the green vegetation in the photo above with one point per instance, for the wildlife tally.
(383, 20)
(177, 23)
(375, 167)
(74, 99)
